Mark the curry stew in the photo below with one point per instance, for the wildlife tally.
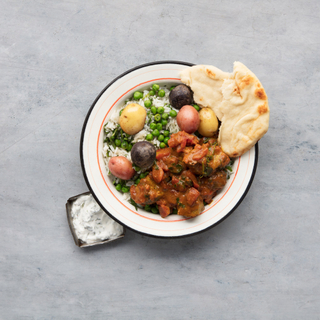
(184, 177)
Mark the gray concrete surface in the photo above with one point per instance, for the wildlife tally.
(260, 263)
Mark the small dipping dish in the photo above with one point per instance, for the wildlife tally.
(87, 202)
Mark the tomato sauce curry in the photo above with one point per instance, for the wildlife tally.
(184, 177)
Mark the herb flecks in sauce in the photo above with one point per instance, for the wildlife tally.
(185, 176)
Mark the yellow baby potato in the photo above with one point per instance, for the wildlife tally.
(208, 122)
(132, 118)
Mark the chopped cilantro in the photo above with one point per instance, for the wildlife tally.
(133, 203)
(179, 203)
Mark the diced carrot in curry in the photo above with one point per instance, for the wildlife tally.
(163, 153)
(164, 210)
(192, 195)
(157, 173)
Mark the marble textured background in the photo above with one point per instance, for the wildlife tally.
(261, 263)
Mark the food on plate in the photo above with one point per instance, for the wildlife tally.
(178, 156)
(238, 100)
(163, 168)
(121, 168)
(143, 154)
(208, 122)
(188, 119)
(132, 118)
(186, 175)
(180, 96)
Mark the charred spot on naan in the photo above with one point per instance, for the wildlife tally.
(236, 91)
(210, 74)
(263, 109)
(234, 154)
(260, 93)
(245, 81)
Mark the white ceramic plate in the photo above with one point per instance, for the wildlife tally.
(95, 173)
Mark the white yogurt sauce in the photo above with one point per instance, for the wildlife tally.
(91, 223)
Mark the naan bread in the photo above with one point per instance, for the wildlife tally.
(205, 82)
(238, 100)
(245, 112)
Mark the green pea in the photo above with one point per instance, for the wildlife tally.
(155, 87)
(151, 93)
(153, 126)
(165, 116)
(161, 137)
(130, 147)
(153, 110)
(124, 145)
(160, 110)
(154, 210)
(163, 145)
(161, 93)
(117, 142)
(143, 175)
(147, 103)
(137, 95)
(156, 132)
(136, 168)
(118, 187)
(173, 113)
(137, 181)
(149, 137)
(147, 208)
(164, 122)
(196, 107)
(166, 140)
(159, 126)
(166, 133)
(171, 88)
(125, 189)
(157, 117)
